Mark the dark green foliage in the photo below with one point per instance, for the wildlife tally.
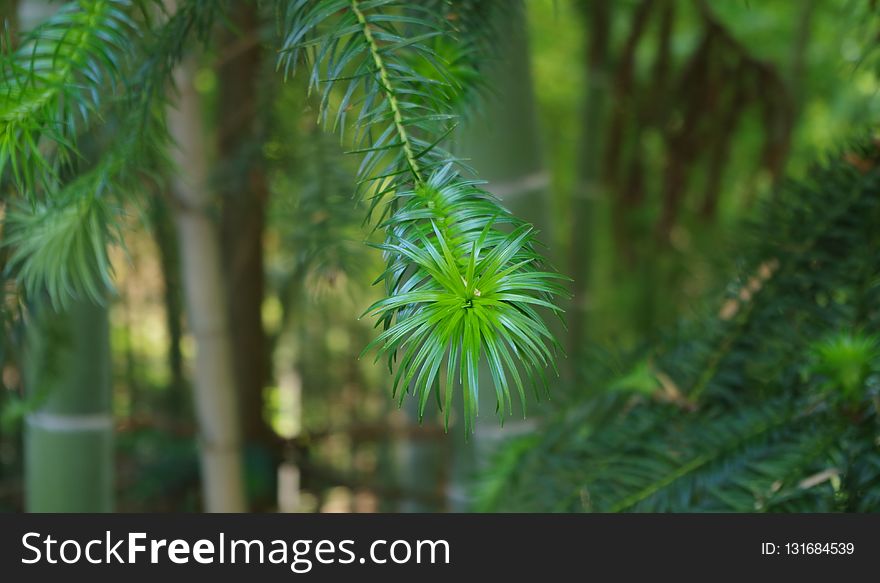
(769, 403)
(318, 220)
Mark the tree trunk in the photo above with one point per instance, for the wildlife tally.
(784, 119)
(598, 16)
(216, 402)
(9, 20)
(69, 436)
(244, 194)
(169, 255)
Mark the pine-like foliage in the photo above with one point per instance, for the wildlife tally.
(463, 278)
(51, 90)
(769, 403)
(54, 84)
(81, 129)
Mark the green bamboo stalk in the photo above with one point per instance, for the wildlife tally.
(69, 433)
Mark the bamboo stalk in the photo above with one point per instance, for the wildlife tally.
(216, 401)
(69, 434)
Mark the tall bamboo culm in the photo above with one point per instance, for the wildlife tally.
(69, 434)
(214, 391)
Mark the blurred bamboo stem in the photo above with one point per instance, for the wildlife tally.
(203, 285)
(69, 434)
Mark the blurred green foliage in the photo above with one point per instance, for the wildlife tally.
(770, 402)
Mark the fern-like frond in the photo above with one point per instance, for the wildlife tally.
(93, 79)
(165, 44)
(55, 83)
(740, 461)
(463, 278)
(61, 246)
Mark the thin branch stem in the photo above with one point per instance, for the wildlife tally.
(388, 90)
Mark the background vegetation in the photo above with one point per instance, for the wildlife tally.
(189, 252)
